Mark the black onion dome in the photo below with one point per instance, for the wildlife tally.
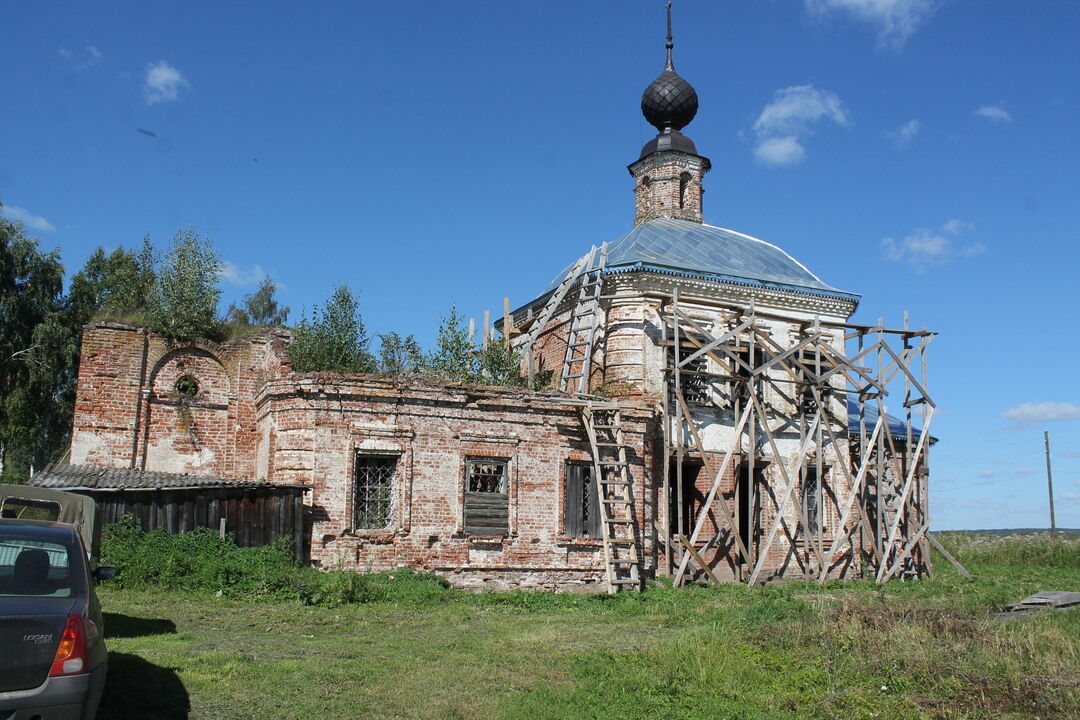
(669, 102)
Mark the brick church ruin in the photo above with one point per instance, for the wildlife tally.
(717, 418)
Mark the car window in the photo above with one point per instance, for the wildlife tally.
(27, 509)
(34, 568)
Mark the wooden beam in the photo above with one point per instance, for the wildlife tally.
(782, 505)
(948, 555)
(717, 479)
(697, 558)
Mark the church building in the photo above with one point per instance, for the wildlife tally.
(713, 415)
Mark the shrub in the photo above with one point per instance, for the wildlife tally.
(334, 339)
(201, 562)
(1033, 549)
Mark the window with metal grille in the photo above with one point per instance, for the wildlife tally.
(693, 381)
(373, 490)
(487, 507)
(582, 514)
(811, 491)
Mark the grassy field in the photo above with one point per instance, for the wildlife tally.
(927, 649)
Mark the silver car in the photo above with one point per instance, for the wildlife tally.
(52, 650)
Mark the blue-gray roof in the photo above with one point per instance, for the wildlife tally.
(897, 427)
(690, 249)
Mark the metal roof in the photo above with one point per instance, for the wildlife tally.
(690, 249)
(68, 477)
(897, 427)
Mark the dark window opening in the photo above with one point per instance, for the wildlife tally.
(692, 498)
(748, 500)
(693, 377)
(487, 507)
(582, 516)
(373, 491)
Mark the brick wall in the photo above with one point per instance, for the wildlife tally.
(251, 418)
(131, 413)
(668, 184)
(317, 425)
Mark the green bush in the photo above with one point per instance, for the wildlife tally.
(201, 562)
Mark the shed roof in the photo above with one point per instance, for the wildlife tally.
(92, 477)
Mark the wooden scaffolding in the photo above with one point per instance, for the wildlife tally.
(814, 477)
(799, 468)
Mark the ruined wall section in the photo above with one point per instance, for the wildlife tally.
(318, 427)
(145, 402)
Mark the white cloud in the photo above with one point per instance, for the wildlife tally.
(895, 20)
(27, 218)
(902, 136)
(787, 120)
(93, 54)
(1042, 412)
(237, 275)
(1069, 453)
(163, 82)
(926, 248)
(64, 52)
(780, 151)
(793, 109)
(1024, 471)
(994, 113)
(986, 473)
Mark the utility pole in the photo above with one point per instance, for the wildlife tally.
(1049, 481)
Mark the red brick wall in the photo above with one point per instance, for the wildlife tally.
(316, 425)
(129, 414)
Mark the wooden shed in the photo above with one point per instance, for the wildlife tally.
(253, 513)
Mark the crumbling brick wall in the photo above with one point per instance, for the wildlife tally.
(317, 426)
(132, 411)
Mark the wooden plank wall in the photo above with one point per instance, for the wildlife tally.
(253, 516)
(486, 513)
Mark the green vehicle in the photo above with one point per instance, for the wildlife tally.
(53, 659)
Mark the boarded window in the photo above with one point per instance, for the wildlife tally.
(582, 517)
(373, 493)
(486, 509)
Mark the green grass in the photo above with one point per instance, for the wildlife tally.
(929, 649)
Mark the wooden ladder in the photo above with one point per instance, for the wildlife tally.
(615, 497)
(584, 320)
(552, 305)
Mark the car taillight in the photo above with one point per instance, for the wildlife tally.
(70, 656)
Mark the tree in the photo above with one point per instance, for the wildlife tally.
(115, 286)
(260, 307)
(454, 357)
(183, 301)
(500, 365)
(333, 340)
(400, 356)
(31, 376)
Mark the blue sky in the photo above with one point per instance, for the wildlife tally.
(920, 152)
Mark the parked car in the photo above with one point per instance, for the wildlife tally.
(53, 659)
